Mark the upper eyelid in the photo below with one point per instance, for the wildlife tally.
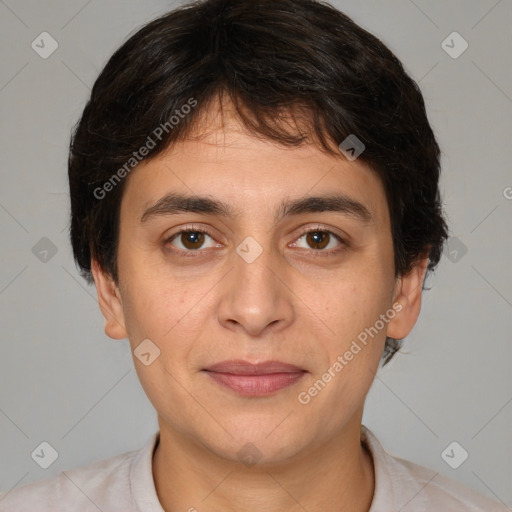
(191, 229)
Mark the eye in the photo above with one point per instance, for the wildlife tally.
(319, 240)
(190, 240)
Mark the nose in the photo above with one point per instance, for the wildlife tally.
(255, 297)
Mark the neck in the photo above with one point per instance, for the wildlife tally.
(333, 476)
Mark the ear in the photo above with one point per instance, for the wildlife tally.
(407, 293)
(109, 299)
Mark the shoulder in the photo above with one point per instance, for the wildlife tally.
(411, 487)
(428, 488)
(101, 485)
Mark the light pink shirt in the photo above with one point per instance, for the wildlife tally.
(124, 483)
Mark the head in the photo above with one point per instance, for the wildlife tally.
(226, 117)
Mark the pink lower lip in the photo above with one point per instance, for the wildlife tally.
(256, 385)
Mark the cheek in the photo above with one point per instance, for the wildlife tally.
(153, 309)
(163, 307)
(354, 302)
(358, 317)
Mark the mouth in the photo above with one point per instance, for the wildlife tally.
(249, 379)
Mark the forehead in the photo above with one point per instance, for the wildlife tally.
(222, 160)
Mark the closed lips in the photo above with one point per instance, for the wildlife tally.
(241, 367)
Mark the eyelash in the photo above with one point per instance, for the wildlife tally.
(197, 252)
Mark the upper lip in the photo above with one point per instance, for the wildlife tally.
(241, 367)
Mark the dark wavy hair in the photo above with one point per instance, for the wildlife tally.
(275, 60)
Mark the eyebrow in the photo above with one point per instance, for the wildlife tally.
(174, 203)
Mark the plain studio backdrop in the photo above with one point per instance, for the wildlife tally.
(64, 382)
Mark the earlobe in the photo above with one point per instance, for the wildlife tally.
(408, 292)
(109, 300)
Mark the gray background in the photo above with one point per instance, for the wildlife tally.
(64, 382)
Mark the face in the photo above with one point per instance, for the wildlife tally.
(256, 271)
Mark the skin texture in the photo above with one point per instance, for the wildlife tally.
(292, 304)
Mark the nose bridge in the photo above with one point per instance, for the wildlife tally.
(252, 272)
(255, 297)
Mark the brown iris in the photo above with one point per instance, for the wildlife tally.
(192, 239)
(318, 239)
